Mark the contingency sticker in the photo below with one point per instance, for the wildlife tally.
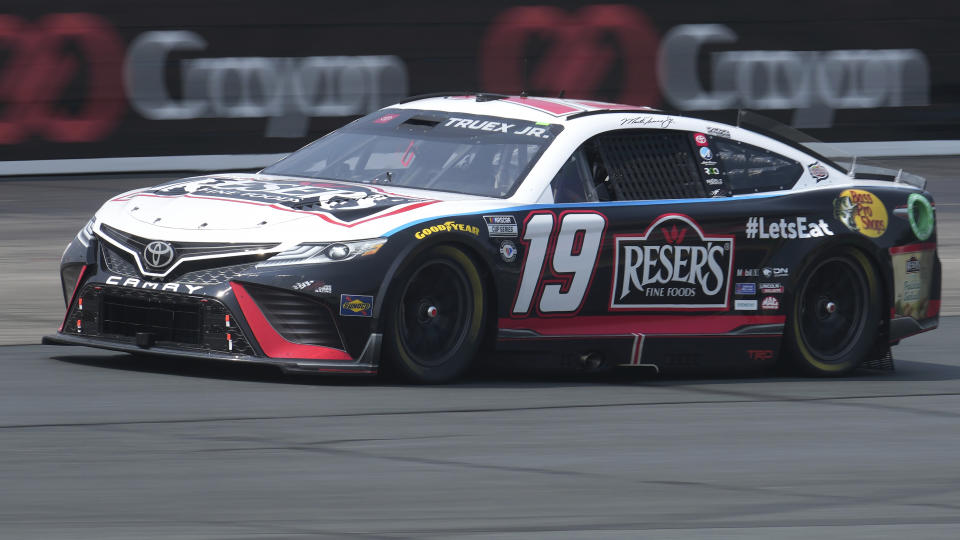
(504, 226)
(912, 275)
(356, 305)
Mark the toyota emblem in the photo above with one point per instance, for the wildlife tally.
(158, 254)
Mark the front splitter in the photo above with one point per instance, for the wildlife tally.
(366, 365)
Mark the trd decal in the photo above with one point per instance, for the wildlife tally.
(672, 266)
(572, 247)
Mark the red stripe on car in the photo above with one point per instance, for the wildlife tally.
(641, 324)
(272, 343)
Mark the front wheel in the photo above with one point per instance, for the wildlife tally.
(835, 315)
(434, 322)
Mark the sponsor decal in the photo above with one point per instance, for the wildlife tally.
(385, 118)
(158, 255)
(861, 211)
(797, 227)
(448, 226)
(705, 153)
(356, 305)
(501, 226)
(350, 202)
(323, 288)
(760, 354)
(656, 121)
(748, 272)
(700, 139)
(711, 171)
(714, 181)
(913, 267)
(508, 251)
(771, 288)
(818, 171)
(152, 285)
(673, 265)
(746, 289)
(771, 271)
(745, 305)
(302, 285)
(770, 303)
(719, 132)
(499, 127)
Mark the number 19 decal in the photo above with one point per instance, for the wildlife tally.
(573, 247)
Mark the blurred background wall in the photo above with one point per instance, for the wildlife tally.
(150, 78)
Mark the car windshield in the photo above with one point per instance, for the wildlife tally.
(462, 153)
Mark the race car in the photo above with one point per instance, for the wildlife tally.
(418, 236)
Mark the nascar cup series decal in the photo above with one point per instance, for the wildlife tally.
(356, 305)
(501, 226)
(673, 265)
(861, 211)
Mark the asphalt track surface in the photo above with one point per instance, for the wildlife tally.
(97, 445)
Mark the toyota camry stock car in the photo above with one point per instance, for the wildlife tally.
(417, 236)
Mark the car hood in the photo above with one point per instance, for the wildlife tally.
(269, 208)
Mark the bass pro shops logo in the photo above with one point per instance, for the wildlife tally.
(672, 266)
(861, 211)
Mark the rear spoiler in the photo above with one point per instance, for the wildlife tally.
(899, 176)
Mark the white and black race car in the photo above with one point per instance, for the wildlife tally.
(418, 235)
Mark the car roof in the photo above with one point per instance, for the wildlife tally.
(561, 110)
(522, 107)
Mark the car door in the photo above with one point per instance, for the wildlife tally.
(647, 222)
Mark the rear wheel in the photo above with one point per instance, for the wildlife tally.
(835, 315)
(435, 320)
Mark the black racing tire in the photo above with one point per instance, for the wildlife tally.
(433, 346)
(834, 316)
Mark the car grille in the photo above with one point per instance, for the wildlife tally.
(298, 318)
(204, 255)
(120, 263)
(172, 320)
(167, 321)
(116, 263)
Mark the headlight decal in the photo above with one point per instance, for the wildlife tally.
(316, 253)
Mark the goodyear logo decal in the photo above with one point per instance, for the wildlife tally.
(448, 226)
(356, 305)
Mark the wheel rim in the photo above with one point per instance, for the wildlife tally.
(832, 308)
(434, 312)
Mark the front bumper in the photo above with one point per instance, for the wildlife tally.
(228, 313)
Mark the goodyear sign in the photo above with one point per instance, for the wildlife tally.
(449, 226)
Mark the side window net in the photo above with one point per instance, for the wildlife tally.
(645, 165)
